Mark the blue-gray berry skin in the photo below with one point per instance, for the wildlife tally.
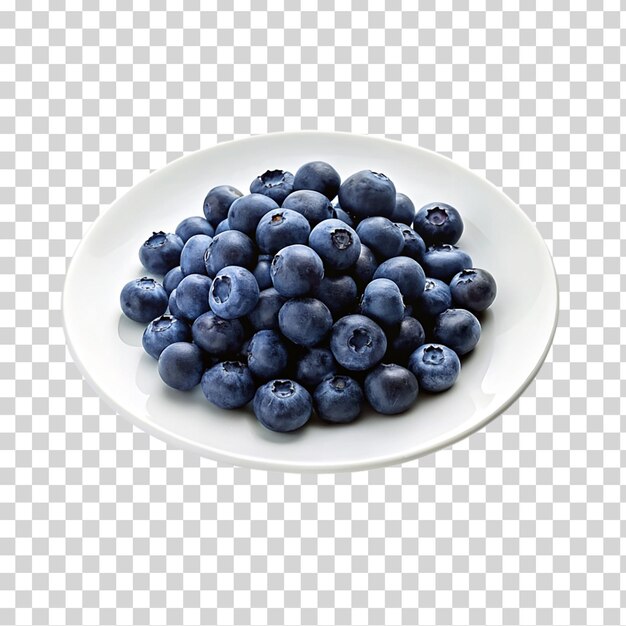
(473, 289)
(231, 247)
(382, 301)
(404, 211)
(217, 336)
(366, 194)
(181, 365)
(338, 293)
(246, 212)
(296, 270)
(282, 405)
(267, 355)
(173, 307)
(281, 228)
(264, 316)
(340, 214)
(143, 299)
(172, 278)
(218, 202)
(363, 270)
(305, 321)
(435, 366)
(391, 389)
(234, 292)
(337, 244)
(161, 252)
(405, 340)
(458, 329)
(434, 299)
(262, 271)
(194, 225)
(275, 184)
(318, 176)
(193, 253)
(382, 236)
(357, 342)
(443, 261)
(404, 272)
(338, 399)
(315, 206)
(414, 246)
(192, 296)
(314, 365)
(162, 332)
(222, 227)
(438, 223)
(228, 385)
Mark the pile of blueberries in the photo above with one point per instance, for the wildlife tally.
(281, 298)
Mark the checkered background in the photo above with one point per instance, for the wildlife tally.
(520, 524)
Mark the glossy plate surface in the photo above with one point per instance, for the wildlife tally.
(517, 330)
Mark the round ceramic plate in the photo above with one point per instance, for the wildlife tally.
(517, 330)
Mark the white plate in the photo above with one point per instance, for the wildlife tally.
(517, 330)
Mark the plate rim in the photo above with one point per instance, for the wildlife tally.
(236, 459)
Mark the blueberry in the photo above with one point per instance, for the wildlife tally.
(143, 299)
(340, 214)
(381, 236)
(246, 212)
(228, 385)
(406, 273)
(194, 225)
(222, 227)
(264, 316)
(391, 389)
(473, 289)
(336, 243)
(366, 194)
(163, 331)
(172, 278)
(217, 336)
(433, 300)
(315, 365)
(217, 203)
(234, 292)
(404, 211)
(315, 206)
(192, 256)
(364, 268)
(161, 252)
(438, 223)
(338, 293)
(458, 329)
(382, 301)
(357, 342)
(414, 246)
(296, 270)
(338, 399)
(262, 271)
(229, 248)
(409, 336)
(274, 184)
(192, 296)
(181, 365)
(305, 321)
(267, 355)
(435, 366)
(173, 308)
(282, 405)
(281, 228)
(318, 176)
(444, 261)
